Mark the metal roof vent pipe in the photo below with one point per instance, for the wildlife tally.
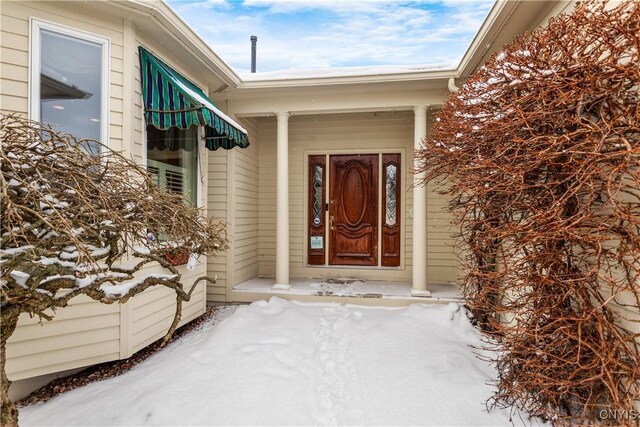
(254, 40)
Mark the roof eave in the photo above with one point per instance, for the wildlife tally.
(169, 19)
(484, 38)
(505, 21)
(345, 80)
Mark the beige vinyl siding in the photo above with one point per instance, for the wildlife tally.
(138, 127)
(217, 207)
(267, 197)
(14, 60)
(152, 312)
(443, 263)
(233, 198)
(88, 332)
(246, 211)
(82, 334)
(345, 133)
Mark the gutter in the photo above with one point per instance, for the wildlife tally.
(344, 80)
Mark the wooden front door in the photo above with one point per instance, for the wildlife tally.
(353, 210)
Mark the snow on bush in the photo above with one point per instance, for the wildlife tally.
(79, 224)
(540, 149)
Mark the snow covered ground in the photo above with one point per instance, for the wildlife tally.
(288, 363)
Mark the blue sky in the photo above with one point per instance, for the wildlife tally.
(309, 34)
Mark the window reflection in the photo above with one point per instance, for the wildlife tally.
(71, 85)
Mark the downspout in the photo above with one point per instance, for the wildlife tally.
(452, 85)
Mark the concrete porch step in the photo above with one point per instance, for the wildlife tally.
(345, 291)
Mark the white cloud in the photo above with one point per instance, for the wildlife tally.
(201, 4)
(292, 6)
(363, 32)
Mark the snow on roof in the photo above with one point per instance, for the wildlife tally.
(346, 71)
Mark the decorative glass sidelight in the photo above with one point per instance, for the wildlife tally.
(391, 239)
(391, 182)
(316, 210)
(317, 194)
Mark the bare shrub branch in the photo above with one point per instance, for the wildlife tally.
(75, 224)
(540, 149)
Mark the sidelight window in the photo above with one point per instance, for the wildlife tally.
(317, 205)
(391, 196)
(391, 190)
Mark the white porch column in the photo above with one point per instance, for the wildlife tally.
(419, 287)
(282, 203)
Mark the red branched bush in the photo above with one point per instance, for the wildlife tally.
(540, 151)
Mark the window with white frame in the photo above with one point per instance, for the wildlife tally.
(69, 81)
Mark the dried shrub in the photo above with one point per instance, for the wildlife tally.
(540, 150)
(77, 224)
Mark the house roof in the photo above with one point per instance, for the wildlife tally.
(346, 75)
(506, 19)
(360, 71)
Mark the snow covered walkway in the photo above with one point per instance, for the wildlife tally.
(287, 363)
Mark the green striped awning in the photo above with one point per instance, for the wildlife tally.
(171, 100)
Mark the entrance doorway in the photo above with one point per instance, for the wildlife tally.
(353, 210)
(346, 217)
